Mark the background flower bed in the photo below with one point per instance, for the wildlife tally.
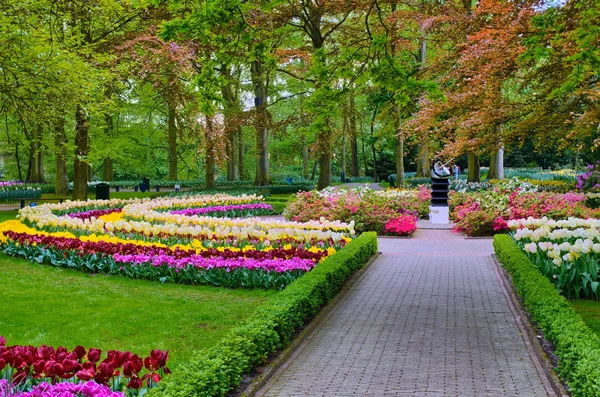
(369, 209)
(164, 240)
(485, 213)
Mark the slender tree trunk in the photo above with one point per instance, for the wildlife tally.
(373, 144)
(353, 135)
(35, 172)
(399, 149)
(107, 165)
(493, 170)
(230, 100)
(262, 131)
(305, 158)
(314, 169)
(107, 169)
(242, 169)
(423, 168)
(473, 166)
(81, 166)
(61, 183)
(324, 160)
(18, 160)
(210, 153)
(172, 138)
(500, 159)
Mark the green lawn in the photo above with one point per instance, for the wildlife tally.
(44, 305)
(590, 311)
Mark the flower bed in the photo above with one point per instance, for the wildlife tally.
(166, 240)
(27, 371)
(9, 190)
(369, 210)
(486, 213)
(567, 252)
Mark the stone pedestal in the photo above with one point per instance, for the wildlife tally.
(439, 215)
(439, 201)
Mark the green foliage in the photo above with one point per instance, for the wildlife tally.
(577, 346)
(217, 370)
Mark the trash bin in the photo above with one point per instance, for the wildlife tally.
(102, 191)
(392, 180)
(342, 177)
(145, 185)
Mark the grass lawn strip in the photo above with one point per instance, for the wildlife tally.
(46, 305)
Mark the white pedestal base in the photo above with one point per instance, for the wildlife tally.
(439, 215)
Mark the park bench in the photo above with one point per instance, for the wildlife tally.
(24, 199)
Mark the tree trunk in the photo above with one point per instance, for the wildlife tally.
(18, 160)
(35, 172)
(262, 130)
(61, 183)
(305, 158)
(242, 169)
(107, 169)
(399, 149)
(172, 138)
(324, 160)
(473, 166)
(81, 166)
(493, 170)
(230, 100)
(500, 159)
(107, 165)
(353, 135)
(210, 153)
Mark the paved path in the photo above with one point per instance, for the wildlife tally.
(429, 318)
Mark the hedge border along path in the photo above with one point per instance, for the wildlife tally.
(577, 346)
(215, 371)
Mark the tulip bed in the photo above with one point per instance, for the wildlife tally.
(167, 240)
(567, 252)
(27, 371)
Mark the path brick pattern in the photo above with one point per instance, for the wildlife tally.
(427, 319)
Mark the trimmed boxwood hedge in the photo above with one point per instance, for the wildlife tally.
(215, 371)
(577, 346)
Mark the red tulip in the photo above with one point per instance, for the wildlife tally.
(151, 364)
(94, 355)
(2, 341)
(20, 376)
(70, 365)
(2, 364)
(80, 351)
(134, 383)
(161, 356)
(86, 374)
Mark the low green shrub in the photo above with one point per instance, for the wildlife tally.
(278, 206)
(215, 371)
(577, 346)
(285, 189)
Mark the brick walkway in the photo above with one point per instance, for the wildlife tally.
(429, 318)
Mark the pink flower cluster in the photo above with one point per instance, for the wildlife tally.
(200, 262)
(93, 213)
(223, 208)
(11, 183)
(404, 225)
(64, 389)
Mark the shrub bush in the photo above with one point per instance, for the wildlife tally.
(577, 346)
(215, 371)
